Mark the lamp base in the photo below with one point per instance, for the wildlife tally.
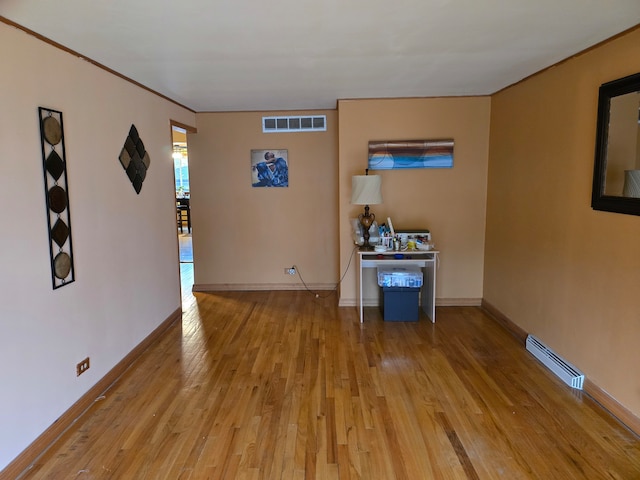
(366, 220)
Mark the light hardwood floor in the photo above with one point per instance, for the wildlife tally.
(271, 385)
(185, 247)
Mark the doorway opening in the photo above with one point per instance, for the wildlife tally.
(184, 228)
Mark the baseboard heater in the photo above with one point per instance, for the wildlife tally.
(563, 369)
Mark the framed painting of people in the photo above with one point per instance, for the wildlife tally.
(269, 168)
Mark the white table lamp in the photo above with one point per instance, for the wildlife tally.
(366, 190)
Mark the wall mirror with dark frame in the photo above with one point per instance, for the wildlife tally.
(616, 175)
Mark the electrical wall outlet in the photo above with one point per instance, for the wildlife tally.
(82, 367)
(290, 271)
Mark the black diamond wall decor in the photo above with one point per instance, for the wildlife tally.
(134, 159)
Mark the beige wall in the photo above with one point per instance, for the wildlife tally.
(557, 268)
(244, 236)
(125, 245)
(301, 224)
(449, 202)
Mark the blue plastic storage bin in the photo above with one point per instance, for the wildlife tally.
(400, 304)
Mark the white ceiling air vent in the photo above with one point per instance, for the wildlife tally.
(310, 123)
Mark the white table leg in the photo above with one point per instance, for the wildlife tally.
(360, 288)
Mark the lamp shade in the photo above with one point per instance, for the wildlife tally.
(631, 183)
(366, 189)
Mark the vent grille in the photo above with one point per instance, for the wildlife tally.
(305, 123)
(563, 369)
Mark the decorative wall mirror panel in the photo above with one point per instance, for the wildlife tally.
(616, 175)
(56, 192)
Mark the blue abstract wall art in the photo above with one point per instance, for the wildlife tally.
(392, 155)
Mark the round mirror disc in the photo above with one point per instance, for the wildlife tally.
(57, 199)
(52, 130)
(62, 265)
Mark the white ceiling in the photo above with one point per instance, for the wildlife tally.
(230, 55)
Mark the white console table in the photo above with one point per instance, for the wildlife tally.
(425, 259)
